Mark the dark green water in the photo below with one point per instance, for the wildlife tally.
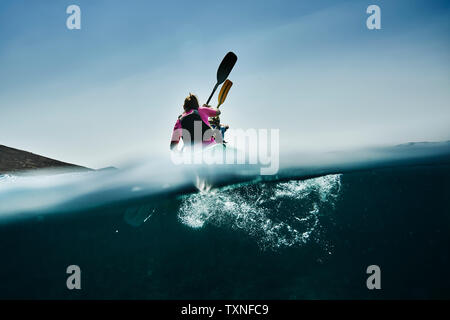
(396, 218)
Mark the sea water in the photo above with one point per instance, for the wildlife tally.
(150, 231)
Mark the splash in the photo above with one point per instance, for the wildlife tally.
(276, 215)
(5, 178)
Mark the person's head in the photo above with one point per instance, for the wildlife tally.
(191, 102)
(214, 121)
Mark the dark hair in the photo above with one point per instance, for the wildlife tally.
(214, 121)
(191, 102)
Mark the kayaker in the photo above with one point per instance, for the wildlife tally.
(193, 113)
(215, 124)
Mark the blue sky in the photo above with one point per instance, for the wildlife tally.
(113, 89)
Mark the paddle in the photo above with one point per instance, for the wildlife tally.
(224, 70)
(224, 92)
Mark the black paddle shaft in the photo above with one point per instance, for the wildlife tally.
(224, 70)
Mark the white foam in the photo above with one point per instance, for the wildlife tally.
(260, 214)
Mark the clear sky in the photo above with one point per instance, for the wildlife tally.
(114, 89)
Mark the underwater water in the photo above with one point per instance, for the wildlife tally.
(308, 232)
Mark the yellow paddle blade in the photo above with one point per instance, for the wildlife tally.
(224, 91)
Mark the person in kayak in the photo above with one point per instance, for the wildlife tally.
(222, 128)
(193, 115)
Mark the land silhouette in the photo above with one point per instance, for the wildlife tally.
(15, 160)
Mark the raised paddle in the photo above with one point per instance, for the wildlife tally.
(223, 92)
(224, 70)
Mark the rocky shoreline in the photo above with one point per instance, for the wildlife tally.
(15, 160)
